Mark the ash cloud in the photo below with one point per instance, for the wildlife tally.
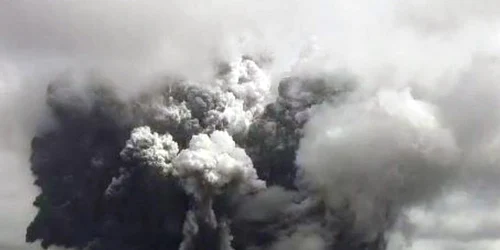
(173, 169)
(189, 125)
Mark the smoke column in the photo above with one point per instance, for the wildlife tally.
(263, 125)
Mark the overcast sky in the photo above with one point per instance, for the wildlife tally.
(431, 46)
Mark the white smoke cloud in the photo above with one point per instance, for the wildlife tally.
(208, 167)
(150, 148)
(213, 162)
(377, 156)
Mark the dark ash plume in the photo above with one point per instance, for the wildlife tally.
(192, 166)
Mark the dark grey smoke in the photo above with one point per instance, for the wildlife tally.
(97, 195)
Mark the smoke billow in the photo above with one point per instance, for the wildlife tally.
(187, 125)
(174, 168)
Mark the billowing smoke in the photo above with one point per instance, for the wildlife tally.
(224, 166)
(379, 155)
(247, 125)
(178, 167)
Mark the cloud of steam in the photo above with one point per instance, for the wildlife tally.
(377, 156)
(390, 106)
